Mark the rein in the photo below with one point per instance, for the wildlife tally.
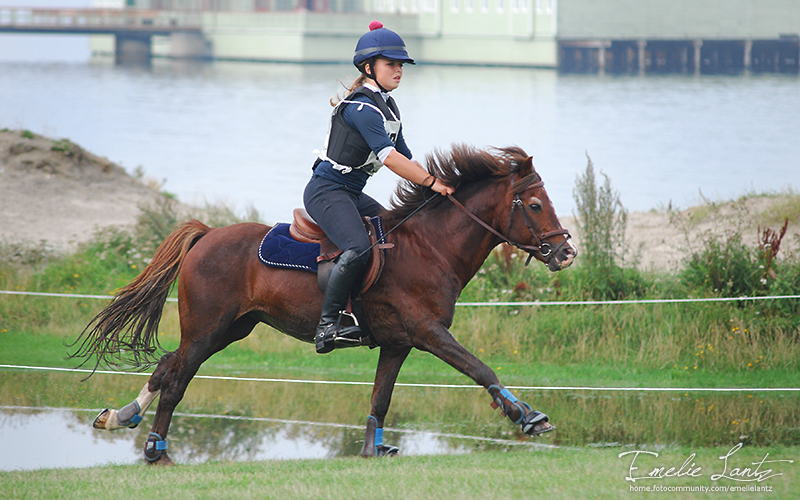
(427, 200)
(541, 247)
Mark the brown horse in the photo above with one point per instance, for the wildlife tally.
(224, 290)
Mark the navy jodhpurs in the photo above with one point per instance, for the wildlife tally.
(338, 211)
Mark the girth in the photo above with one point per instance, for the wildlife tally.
(304, 229)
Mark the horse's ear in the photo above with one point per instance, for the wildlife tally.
(526, 168)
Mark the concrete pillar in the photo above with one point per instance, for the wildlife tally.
(697, 45)
(188, 45)
(748, 50)
(601, 59)
(684, 56)
(641, 45)
(133, 48)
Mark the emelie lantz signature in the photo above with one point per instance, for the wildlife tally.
(758, 473)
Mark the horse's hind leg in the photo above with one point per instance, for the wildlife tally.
(389, 363)
(130, 415)
(188, 358)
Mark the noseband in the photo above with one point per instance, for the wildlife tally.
(541, 246)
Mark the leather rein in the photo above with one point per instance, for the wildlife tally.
(541, 246)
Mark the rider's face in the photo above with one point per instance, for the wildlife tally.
(388, 73)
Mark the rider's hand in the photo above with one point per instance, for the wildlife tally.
(442, 188)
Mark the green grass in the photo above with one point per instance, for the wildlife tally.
(556, 474)
(271, 355)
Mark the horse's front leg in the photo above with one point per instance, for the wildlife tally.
(438, 340)
(389, 363)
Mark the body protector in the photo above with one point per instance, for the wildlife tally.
(345, 148)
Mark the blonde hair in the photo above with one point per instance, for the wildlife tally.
(358, 82)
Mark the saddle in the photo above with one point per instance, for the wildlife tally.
(305, 230)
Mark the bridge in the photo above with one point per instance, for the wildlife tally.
(132, 28)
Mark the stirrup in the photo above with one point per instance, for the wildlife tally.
(332, 335)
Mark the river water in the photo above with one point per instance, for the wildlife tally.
(246, 133)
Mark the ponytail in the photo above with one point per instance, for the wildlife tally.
(358, 82)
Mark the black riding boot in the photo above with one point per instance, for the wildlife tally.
(344, 277)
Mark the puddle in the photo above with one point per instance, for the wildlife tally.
(44, 440)
(252, 420)
(61, 438)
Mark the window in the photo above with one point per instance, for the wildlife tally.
(500, 6)
(454, 6)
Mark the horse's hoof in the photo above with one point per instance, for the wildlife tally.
(101, 419)
(163, 460)
(385, 450)
(541, 428)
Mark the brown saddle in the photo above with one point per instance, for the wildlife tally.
(304, 229)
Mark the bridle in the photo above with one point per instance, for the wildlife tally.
(541, 246)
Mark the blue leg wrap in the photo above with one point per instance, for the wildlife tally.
(378, 432)
(382, 450)
(528, 418)
(501, 402)
(154, 447)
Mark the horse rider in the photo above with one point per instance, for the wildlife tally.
(365, 133)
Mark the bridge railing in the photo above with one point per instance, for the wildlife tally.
(27, 17)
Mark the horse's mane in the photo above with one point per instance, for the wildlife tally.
(463, 164)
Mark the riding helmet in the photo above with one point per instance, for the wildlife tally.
(380, 42)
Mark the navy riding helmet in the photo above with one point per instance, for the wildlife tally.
(380, 42)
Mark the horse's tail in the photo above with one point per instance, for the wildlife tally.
(125, 332)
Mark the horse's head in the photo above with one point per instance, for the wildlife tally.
(516, 209)
(533, 225)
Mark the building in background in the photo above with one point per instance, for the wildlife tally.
(620, 36)
(493, 32)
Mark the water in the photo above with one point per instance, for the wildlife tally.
(246, 133)
(47, 438)
(46, 419)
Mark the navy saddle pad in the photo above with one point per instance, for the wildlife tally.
(279, 249)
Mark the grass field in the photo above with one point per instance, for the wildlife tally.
(556, 474)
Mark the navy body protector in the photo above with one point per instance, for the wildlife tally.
(345, 146)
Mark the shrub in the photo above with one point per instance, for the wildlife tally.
(602, 221)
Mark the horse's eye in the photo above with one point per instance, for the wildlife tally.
(536, 205)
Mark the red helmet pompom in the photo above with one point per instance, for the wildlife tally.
(374, 25)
